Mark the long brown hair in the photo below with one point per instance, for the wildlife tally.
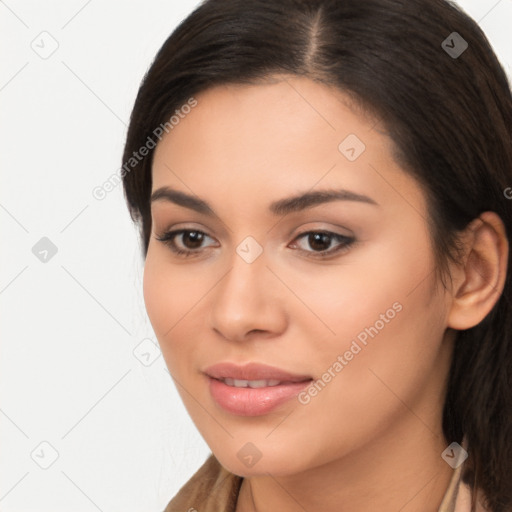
(448, 109)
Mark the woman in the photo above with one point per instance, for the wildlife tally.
(321, 188)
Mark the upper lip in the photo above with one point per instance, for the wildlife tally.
(252, 371)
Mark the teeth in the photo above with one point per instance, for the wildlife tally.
(239, 383)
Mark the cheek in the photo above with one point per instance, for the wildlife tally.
(157, 296)
(382, 311)
(398, 372)
(167, 295)
(174, 295)
(352, 295)
(389, 328)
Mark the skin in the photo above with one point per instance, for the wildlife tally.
(372, 437)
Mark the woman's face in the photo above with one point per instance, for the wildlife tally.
(341, 292)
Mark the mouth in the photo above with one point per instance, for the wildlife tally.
(252, 389)
(254, 384)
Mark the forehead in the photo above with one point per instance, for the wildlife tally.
(269, 139)
(267, 119)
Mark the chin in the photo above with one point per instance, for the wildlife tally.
(248, 462)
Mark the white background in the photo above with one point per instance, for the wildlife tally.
(69, 376)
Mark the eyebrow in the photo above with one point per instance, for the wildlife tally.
(285, 206)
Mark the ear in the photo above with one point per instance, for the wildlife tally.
(478, 283)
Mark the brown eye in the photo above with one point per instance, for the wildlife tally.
(191, 241)
(320, 243)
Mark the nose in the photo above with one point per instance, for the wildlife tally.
(247, 302)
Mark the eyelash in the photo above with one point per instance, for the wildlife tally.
(168, 239)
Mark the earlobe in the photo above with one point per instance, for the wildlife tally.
(483, 275)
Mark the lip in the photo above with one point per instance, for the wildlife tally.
(253, 401)
(252, 371)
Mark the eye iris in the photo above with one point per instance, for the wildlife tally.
(196, 238)
(322, 238)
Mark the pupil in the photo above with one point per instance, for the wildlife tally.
(314, 238)
(195, 237)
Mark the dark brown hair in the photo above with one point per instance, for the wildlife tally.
(450, 117)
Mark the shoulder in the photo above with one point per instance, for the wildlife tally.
(210, 487)
(464, 498)
(459, 495)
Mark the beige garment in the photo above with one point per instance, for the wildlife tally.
(214, 489)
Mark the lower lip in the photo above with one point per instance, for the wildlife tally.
(253, 401)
